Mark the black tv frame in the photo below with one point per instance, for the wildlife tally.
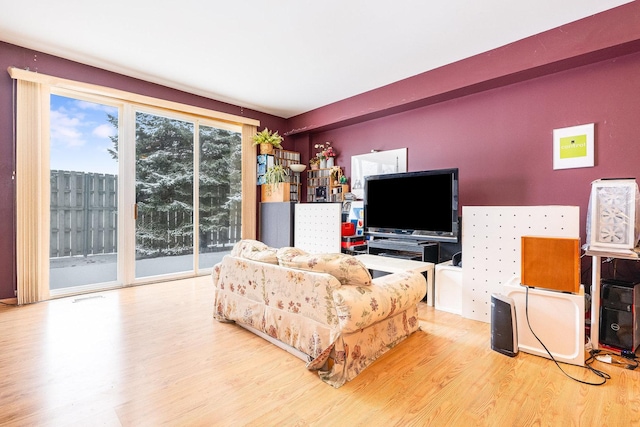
(423, 235)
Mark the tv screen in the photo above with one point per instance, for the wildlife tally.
(415, 205)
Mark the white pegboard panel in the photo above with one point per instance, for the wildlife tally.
(318, 227)
(491, 242)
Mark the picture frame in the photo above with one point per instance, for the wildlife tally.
(573, 147)
(375, 163)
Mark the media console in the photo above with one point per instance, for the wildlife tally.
(409, 250)
(415, 250)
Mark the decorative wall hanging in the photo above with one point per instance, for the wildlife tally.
(573, 147)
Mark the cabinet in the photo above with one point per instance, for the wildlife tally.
(323, 185)
(277, 224)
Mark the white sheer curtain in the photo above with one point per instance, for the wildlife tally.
(32, 186)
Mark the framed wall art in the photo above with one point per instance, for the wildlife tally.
(573, 147)
(375, 163)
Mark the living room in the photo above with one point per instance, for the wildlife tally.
(491, 115)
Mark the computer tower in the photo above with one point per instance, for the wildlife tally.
(504, 334)
(619, 320)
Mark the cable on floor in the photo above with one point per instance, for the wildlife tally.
(587, 366)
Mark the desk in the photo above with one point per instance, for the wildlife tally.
(398, 265)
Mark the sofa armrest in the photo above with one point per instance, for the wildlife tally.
(361, 306)
(215, 274)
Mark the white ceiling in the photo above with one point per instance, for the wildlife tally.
(282, 57)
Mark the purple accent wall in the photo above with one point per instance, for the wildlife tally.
(603, 36)
(493, 115)
(15, 56)
(501, 139)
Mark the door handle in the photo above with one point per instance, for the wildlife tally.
(135, 211)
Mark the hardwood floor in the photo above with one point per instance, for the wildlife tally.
(152, 355)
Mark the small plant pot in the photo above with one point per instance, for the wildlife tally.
(266, 149)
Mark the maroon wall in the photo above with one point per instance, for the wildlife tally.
(15, 56)
(501, 139)
(607, 35)
(493, 115)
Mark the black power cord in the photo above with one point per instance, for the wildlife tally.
(625, 360)
(588, 366)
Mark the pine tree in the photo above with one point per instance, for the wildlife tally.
(220, 186)
(164, 185)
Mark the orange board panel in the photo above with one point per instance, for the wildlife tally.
(551, 263)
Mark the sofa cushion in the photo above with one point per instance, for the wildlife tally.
(287, 254)
(255, 251)
(346, 268)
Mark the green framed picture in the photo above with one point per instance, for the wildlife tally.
(573, 147)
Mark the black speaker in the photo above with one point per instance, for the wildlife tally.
(504, 333)
(619, 304)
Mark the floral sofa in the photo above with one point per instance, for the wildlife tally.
(325, 306)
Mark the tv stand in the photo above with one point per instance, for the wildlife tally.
(417, 250)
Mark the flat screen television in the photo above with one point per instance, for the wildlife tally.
(419, 205)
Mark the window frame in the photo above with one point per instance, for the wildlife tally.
(31, 263)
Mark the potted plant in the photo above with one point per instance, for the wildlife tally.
(276, 186)
(267, 140)
(314, 162)
(326, 155)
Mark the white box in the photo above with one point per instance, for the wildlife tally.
(448, 289)
(611, 220)
(557, 319)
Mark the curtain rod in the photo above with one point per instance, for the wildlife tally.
(30, 76)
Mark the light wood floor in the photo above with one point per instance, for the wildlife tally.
(152, 355)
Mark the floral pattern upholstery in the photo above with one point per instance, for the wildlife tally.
(346, 268)
(342, 328)
(255, 250)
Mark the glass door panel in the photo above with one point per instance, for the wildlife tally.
(220, 198)
(84, 193)
(164, 195)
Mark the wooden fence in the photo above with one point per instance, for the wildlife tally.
(84, 217)
(83, 213)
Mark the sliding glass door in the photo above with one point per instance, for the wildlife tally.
(181, 174)
(181, 210)
(164, 195)
(83, 198)
(219, 192)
